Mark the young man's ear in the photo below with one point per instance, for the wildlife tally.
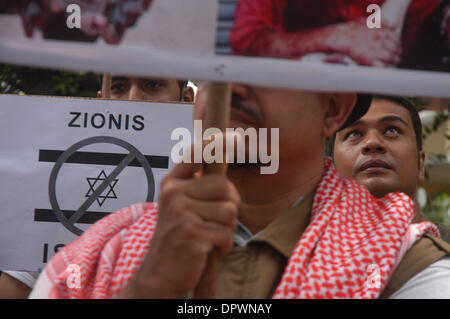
(188, 94)
(421, 166)
(338, 109)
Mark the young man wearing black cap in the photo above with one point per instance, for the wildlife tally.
(300, 233)
(383, 152)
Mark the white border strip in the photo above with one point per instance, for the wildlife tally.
(257, 71)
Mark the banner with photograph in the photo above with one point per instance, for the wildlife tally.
(382, 46)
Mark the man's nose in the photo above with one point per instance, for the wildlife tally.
(373, 144)
(135, 93)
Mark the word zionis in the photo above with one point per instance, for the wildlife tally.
(108, 121)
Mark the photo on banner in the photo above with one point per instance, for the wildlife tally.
(107, 20)
(383, 46)
(404, 34)
(84, 24)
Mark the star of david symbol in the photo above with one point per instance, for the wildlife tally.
(101, 178)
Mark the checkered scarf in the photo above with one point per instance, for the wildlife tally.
(349, 250)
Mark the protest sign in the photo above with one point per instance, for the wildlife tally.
(65, 163)
(381, 46)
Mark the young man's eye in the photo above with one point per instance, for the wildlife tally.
(152, 85)
(118, 87)
(353, 134)
(392, 131)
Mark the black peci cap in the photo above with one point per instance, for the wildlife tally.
(361, 107)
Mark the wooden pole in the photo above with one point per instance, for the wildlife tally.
(106, 86)
(217, 115)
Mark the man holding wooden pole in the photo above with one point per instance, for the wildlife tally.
(302, 232)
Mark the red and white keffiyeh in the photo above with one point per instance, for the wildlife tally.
(350, 235)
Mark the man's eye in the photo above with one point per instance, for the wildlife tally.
(152, 85)
(353, 134)
(118, 87)
(392, 131)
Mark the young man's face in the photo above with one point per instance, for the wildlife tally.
(147, 89)
(379, 151)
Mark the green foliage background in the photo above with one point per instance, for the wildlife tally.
(32, 81)
(438, 209)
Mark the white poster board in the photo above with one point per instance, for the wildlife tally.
(65, 163)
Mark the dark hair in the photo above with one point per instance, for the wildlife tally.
(414, 114)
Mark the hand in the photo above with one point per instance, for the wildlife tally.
(195, 216)
(372, 47)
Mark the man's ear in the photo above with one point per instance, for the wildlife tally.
(421, 166)
(338, 109)
(188, 94)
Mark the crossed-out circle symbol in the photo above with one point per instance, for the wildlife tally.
(133, 154)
